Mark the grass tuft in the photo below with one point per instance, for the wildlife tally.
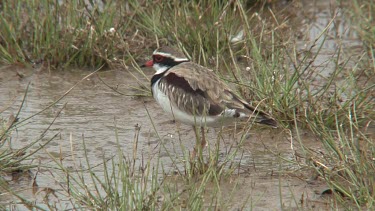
(255, 52)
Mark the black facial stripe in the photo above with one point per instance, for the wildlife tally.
(168, 62)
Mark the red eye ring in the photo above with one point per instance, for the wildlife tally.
(158, 58)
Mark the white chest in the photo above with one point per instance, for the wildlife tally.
(180, 115)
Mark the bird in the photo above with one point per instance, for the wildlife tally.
(196, 96)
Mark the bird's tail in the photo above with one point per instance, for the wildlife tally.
(266, 121)
(262, 117)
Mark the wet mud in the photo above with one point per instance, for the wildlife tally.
(94, 113)
(268, 169)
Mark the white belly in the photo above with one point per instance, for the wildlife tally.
(183, 117)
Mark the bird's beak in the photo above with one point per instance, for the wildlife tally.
(148, 64)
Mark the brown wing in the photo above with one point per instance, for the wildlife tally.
(204, 82)
(206, 92)
(186, 98)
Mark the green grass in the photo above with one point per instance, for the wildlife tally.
(140, 181)
(347, 166)
(362, 14)
(336, 111)
(77, 34)
(15, 160)
(12, 160)
(265, 66)
(61, 35)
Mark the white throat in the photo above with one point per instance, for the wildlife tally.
(159, 68)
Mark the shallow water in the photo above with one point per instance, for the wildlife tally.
(94, 113)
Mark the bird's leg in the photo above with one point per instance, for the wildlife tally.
(203, 142)
(194, 153)
(200, 144)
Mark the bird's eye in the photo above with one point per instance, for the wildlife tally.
(158, 58)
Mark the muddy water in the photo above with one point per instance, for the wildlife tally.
(93, 112)
(326, 32)
(90, 112)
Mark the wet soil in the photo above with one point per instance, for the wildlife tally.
(93, 112)
(269, 171)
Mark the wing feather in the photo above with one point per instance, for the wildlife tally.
(206, 93)
(187, 97)
(205, 82)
